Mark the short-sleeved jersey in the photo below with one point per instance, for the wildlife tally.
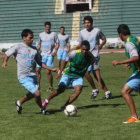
(26, 57)
(93, 37)
(47, 41)
(132, 48)
(63, 40)
(78, 63)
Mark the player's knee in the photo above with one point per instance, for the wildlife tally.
(37, 93)
(38, 70)
(123, 92)
(61, 89)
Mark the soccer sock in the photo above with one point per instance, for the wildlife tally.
(46, 101)
(18, 103)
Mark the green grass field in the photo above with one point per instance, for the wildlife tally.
(96, 120)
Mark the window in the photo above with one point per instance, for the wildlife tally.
(70, 6)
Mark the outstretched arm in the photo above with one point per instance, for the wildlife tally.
(5, 59)
(62, 69)
(132, 59)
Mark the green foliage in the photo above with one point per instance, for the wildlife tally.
(96, 120)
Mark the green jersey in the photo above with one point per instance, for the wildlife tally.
(78, 64)
(130, 42)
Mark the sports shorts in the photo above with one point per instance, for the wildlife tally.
(29, 83)
(47, 60)
(66, 81)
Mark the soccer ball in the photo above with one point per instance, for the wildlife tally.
(70, 110)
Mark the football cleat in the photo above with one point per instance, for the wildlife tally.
(107, 95)
(94, 94)
(19, 108)
(45, 111)
(132, 119)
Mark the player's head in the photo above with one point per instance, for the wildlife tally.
(85, 47)
(123, 31)
(88, 22)
(62, 30)
(27, 36)
(47, 26)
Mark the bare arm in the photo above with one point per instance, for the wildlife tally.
(62, 69)
(5, 59)
(132, 59)
(55, 50)
(38, 46)
(77, 47)
(68, 44)
(101, 45)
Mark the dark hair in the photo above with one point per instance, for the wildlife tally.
(124, 29)
(47, 23)
(25, 32)
(89, 18)
(62, 27)
(86, 43)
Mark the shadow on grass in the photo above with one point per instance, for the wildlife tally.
(114, 97)
(98, 105)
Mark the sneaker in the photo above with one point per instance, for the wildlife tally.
(45, 111)
(94, 93)
(44, 103)
(107, 95)
(132, 119)
(19, 108)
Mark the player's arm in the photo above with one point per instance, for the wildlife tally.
(38, 60)
(101, 45)
(8, 53)
(77, 47)
(132, 59)
(103, 38)
(5, 59)
(39, 46)
(69, 57)
(68, 44)
(55, 49)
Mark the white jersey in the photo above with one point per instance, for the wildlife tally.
(93, 37)
(63, 40)
(47, 41)
(26, 57)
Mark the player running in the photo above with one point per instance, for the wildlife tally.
(62, 46)
(26, 56)
(46, 44)
(74, 72)
(132, 51)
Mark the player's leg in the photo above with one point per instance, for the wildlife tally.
(77, 83)
(101, 84)
(30, 84)
(19, 103)
(38, 73)
(89, 78)
(59, 57)
(64, 82)
(49, 73)
(133, 83)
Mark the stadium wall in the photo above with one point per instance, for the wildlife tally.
(16, 15)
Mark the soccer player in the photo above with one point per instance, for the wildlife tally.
(93, 35)
(74, 72)
(26, 56)
(47, 40)
(132, 51)
(62, 47)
